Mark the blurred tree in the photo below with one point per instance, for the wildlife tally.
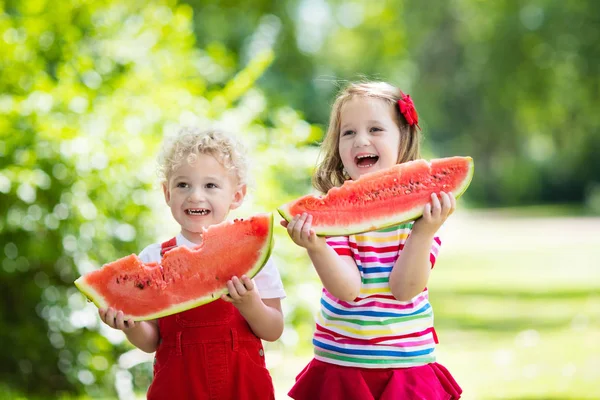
(88, 89)
(512, 83)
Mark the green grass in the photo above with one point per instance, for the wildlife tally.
(517, 309)
(544, 211)
(520, 326)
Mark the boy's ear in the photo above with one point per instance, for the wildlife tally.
(238, 197)
(166, 192)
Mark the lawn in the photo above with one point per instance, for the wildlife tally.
(517, 306)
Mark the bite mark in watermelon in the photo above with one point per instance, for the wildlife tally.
(185, 278)
(384, 198)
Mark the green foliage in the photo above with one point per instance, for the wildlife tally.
(513, 84)
(88, 88)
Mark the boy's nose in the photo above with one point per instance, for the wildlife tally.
(196, 195)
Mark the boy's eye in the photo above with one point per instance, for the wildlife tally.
(211, 186)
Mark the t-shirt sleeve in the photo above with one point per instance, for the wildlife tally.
(268, 282)
(150, 253)
(340, 244)
(435, 249)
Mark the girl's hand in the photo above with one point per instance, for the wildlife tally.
(299, 229)
(114, 319)
(435, 213)
(242, 292)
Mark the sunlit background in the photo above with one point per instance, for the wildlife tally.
(88, 89)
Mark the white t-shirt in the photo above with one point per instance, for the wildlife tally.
(267, 281)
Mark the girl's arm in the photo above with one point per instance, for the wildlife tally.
(339, 274)
(263, 315)
(411, 271)
(143, 334)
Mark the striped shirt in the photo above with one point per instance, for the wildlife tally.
(376, 330)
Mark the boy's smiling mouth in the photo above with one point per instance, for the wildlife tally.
(366, 160)
(197, 211)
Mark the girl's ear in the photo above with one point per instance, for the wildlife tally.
(238, 197)
(166, 192)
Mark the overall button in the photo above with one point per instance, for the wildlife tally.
(261, 352)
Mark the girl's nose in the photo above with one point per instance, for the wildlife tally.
(361, 139)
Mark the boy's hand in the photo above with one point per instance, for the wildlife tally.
(301, 232)
(114, 319)
(435, 213)
(242, 292)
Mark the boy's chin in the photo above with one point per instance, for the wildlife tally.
(197, 229)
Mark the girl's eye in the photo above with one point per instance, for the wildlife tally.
(346, 133)
(376, 129)
(182, 185)
(211, 186)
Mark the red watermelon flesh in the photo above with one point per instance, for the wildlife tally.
(186, 278)
(384, 198)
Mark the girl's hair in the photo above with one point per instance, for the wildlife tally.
(330, 171)
(189, 142)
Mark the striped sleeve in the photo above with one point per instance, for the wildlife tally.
(340, 244)
(435, 249)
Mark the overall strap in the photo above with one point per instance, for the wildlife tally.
(168, 245)
(165, 323)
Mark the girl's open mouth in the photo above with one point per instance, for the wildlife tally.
(366, 160)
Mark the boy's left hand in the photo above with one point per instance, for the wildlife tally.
(242, 291)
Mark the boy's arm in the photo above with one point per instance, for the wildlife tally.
(263, 315)
(339, 274)
(265, 318)
(142, 334)
(145, 336)
(411, 271)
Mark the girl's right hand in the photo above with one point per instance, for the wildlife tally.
(301, 232)
(114, 319)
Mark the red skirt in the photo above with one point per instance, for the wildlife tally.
(320, 380)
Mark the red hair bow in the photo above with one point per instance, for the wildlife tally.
(407, 108)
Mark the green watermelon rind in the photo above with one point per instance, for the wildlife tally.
(99, 301)
(387, 222)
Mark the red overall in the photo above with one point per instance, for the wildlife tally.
(209, 352)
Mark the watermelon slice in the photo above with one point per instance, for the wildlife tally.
(384, 198)
(186, 278)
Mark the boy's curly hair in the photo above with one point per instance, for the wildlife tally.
(191, 141)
